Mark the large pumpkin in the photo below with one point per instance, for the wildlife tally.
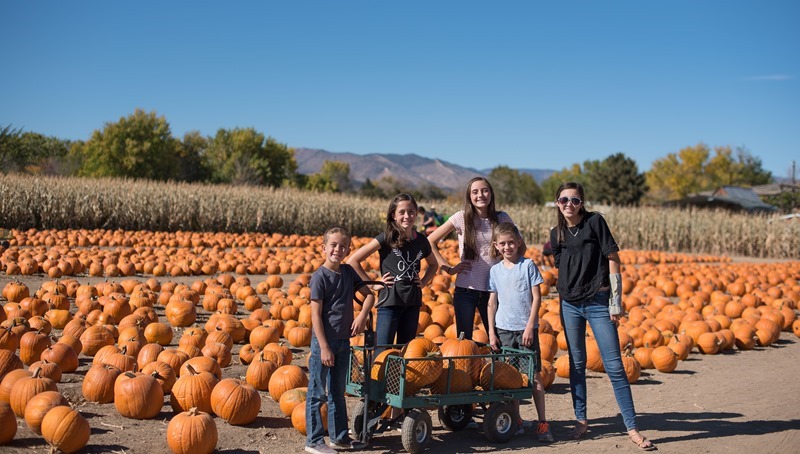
(192, 432)
(138, 396)
(462, 347)
(39, 405)
(460, 382)
(425, 365)
(193, 389)
(235, 401)
(378, 371)
(65, 429)
(286, 378)
(26, 388)
(98, 383)
(505, 376)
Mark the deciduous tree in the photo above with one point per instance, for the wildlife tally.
(137, 146)
(245, 156)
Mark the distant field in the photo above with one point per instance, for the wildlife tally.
(75, 203)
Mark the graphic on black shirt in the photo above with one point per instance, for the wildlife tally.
(408, 269)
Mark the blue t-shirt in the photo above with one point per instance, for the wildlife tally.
(336, 291)
(513, 287)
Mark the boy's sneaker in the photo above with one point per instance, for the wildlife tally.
(543, 433)
(523, 426)
(348, 443)
(473, 425)
(320, 448)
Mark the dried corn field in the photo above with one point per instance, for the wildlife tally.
(78, 203)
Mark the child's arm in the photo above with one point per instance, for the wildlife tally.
(492, 311)
(326, 355)
(360, 322)
(439, 234)
(533, 320)
(430, 272)
(361, 254)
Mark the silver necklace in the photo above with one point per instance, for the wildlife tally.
(577, 229)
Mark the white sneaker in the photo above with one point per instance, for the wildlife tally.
(320, 448)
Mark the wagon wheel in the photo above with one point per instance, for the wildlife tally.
(455, 417)
(500, 422)
(417, 430)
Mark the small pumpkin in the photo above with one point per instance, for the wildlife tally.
(664, 359)
(8, 423)
(299, 417)
(163, 373)
(291, 399)
(259, 372)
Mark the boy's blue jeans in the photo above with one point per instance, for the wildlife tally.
(465, 301)
(574, 317)
(334, 380)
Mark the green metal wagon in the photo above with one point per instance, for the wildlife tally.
(455, 409)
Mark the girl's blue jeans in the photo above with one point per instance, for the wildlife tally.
(334, 380)
(574, 317)
(400, 321)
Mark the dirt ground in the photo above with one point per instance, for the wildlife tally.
(737, 402)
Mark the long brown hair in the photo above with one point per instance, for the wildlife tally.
(470, 213)
(562, 221)
(395, 235)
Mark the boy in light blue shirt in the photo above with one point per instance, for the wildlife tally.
(514, 301)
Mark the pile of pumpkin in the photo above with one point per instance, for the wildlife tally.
(133, 365)
(428, 364)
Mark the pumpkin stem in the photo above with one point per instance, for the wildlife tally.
(461, 336)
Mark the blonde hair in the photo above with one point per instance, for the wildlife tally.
(504, 228)
(335, 229)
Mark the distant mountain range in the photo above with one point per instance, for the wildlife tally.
(411, 169)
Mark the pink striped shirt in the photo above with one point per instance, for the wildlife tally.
(478, 277)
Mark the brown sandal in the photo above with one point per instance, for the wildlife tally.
(579, 431)
(642, 442)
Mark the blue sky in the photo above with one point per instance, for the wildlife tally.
(528, 84)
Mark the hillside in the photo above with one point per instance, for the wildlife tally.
(412, 169)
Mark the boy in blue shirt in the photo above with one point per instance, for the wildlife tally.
(333, 322)
(514, 300)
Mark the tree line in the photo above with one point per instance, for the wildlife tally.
(141, 145)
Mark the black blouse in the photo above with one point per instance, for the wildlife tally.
(582, 259)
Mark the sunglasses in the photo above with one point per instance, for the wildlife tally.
(574, 200)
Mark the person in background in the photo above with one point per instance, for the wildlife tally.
(590, 286)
